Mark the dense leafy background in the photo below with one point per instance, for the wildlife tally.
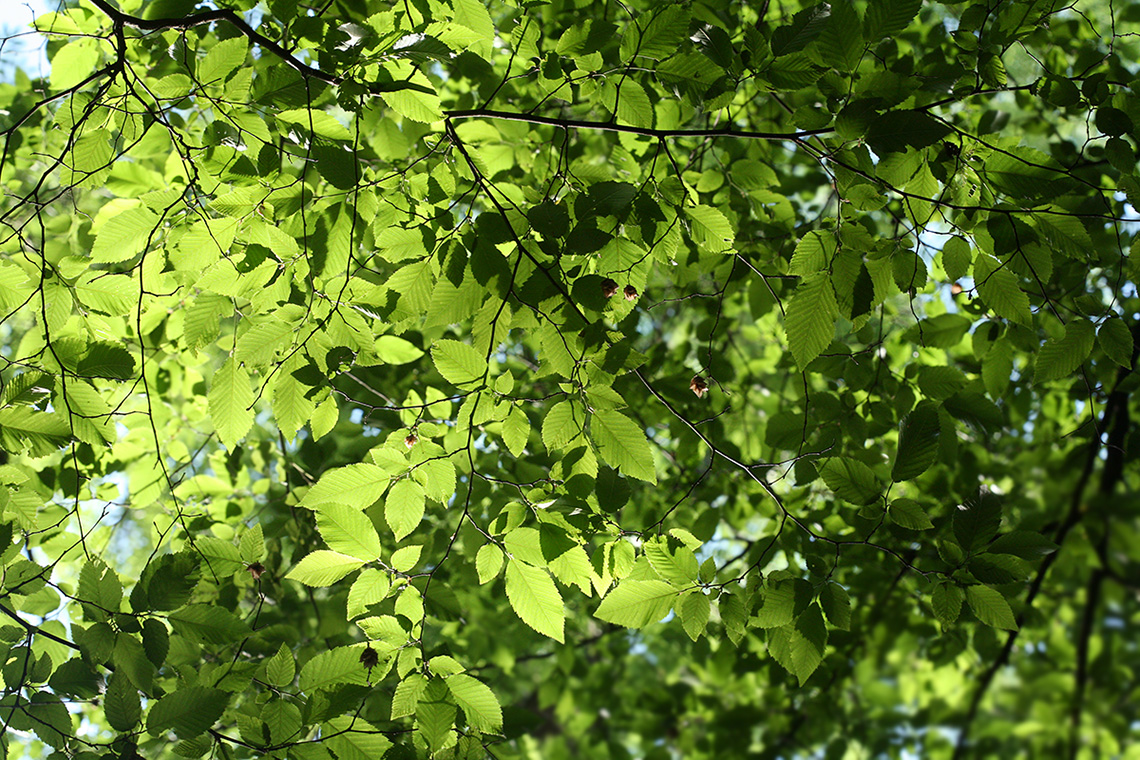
(571, 379)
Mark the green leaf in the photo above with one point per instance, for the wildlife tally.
(1026, 544)
(111, 294)
(942, 331)
(394, 350)
(813, 253)
(909, 514)
(977, 520)
(435, 714)
(947, 602)
(940, 383)
(473, 15)
(991, 607)
(358, 485)
(535, 599)
(208, 624)
(353, 738)
(370, 587)
(488, 562)
(281, 668)
(956, 257)
(781, 602)
(841, 41)
(622, 444)
(124, 235)
(998, 286)
(407, 695)
(316, 121)
(348, 531)
(516, 431)
(896, 131)
(231, 403)
(660, 37)
(324, 568)
(637, 604)
(107, 360)
(73, 63)
(799, 647)
(1115, 339)
(403, 560)
(336, 666)
(404, 507)
(851, 480)
(458, 362)
(810, 320)
(251, 546)
(710, 229)
(219, 558)
(563, 423)
(121, 703)
(223, 58)
(415, 104)
(25, 429)
(1060, 358)
(997, 368)
(885, 17)
(477, 701)
(694, 612)
(187, 712)
(918, 442)
(836, 605)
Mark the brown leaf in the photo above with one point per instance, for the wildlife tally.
(699, 386)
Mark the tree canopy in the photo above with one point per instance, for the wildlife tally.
(571, 379)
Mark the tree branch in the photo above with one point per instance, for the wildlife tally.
(35, 629)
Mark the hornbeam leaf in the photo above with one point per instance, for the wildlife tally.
(324, 568)
(991, 607)
(660, 37)
(1060, 358)
(563, 423)
(851, 480)
(317, 121)
(896, 131)
(1115, 340)
(694, 613)
(998, 286)
(459, 363)
(348, 531)
(187, 712)
(231, 403)
(121, 703)
(124, 235)
(710, 228)
(358, 485)
(885, 17)
(337, 666)
(918, 442)
(404, 507)
(24, 428)
(909, 514)
(622, 444)
(208, 624)
(354, 738)
(799, 647)
(535, 598)
(477, 701)
(947, 602)
(810, 320)
(636, 604)
(109, 360)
